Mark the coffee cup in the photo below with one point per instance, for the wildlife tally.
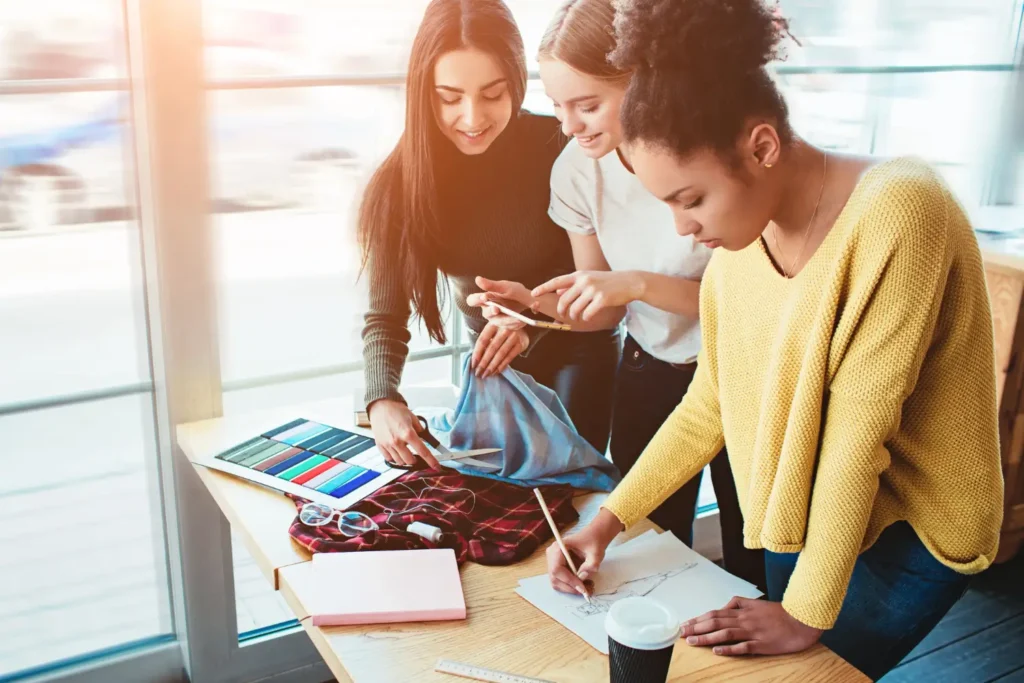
(641, 636)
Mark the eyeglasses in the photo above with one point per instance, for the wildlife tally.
(350, 523)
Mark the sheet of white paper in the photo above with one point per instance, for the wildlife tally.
(649, 535)
(646, 537)
(662, 568)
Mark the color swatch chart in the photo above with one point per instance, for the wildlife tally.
(311, 460)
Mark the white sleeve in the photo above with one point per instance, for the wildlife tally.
(568, 207)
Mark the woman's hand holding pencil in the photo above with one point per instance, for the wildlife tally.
(583, 551)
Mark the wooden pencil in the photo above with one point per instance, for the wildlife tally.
(558, 539)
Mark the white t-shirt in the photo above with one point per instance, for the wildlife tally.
(636, 232)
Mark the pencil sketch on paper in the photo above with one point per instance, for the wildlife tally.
(601, 602)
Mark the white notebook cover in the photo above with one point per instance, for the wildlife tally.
(386, 586)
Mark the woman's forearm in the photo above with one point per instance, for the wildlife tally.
(669, 293)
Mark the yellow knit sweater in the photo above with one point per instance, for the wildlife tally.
(855, 395)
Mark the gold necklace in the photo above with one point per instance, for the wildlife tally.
(807, 230)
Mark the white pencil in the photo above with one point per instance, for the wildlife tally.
(530, 321)
(558, 538)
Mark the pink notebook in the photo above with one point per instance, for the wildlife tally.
(386, 586)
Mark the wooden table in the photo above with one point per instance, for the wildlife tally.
(502, 630)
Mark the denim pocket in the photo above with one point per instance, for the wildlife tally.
(634, 358)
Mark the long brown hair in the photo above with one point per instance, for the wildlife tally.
(582, 34)
(399, 210)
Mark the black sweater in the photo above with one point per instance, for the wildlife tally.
(493, 208)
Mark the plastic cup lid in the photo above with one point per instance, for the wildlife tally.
(642, 624)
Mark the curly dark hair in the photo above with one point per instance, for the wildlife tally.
(698, 71)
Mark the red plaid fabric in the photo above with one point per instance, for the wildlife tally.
(486, 521)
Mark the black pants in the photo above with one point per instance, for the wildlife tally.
(580, 368)
(647, 391)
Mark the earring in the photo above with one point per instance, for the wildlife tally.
(768, 165)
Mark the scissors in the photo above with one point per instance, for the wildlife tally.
(446, 455)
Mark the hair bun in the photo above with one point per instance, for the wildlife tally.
(720, 37)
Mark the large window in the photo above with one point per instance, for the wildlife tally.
(178, 180)
(292, 139)
(82, 546)
(930, 78)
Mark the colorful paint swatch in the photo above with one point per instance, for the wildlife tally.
(328, 474)
(281, 457)
(230, 454)
(352, 485)
(331, 441)
(347, 475)
(315, 441)
(256, 446)
(264, 454)
(353, 450)
(302, 467)
(314, 456)
(289, 463)
(343, 445)
(315, 472)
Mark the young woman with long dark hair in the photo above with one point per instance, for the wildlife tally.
(465, 194)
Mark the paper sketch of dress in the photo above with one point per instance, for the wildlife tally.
(601, 602)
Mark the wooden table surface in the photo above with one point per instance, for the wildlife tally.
(502, 630)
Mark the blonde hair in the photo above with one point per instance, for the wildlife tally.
(582, 34)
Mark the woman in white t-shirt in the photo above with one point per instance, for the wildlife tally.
(630, 264)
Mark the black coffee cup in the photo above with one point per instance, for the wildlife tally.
(641, 636)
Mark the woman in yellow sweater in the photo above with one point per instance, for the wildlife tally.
(847, 359)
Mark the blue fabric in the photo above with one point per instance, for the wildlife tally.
(897, 594)
(539, 443)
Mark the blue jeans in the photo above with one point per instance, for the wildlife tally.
(897, 594)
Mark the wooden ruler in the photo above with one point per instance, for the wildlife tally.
(479, 673)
